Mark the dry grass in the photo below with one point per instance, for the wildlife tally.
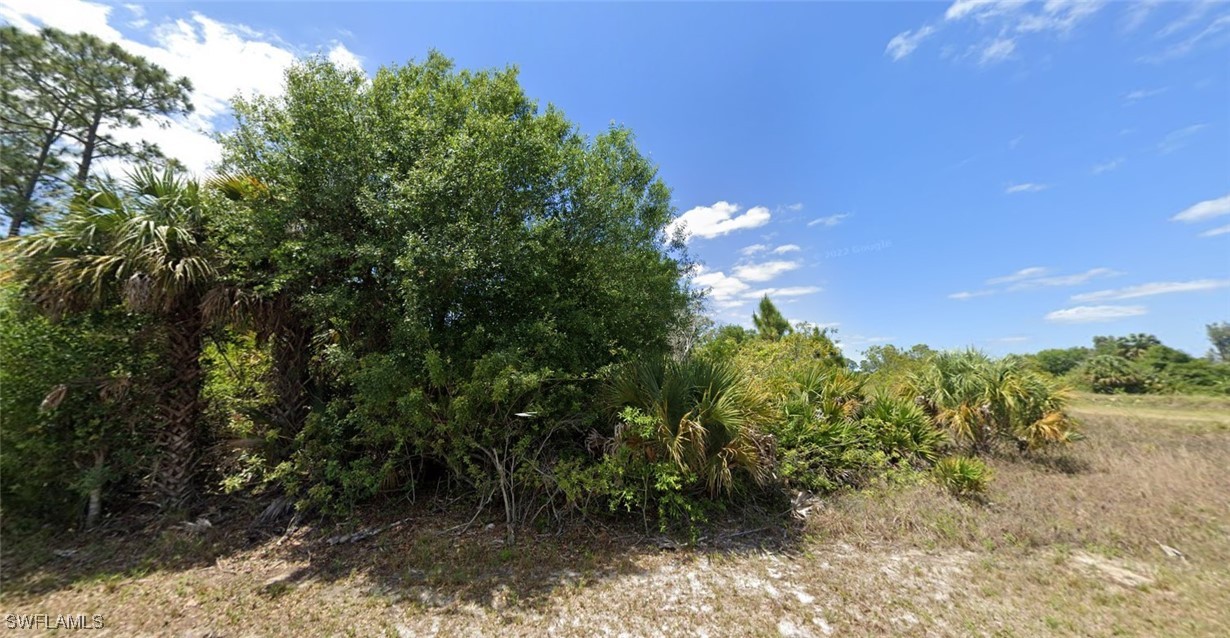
(1064, 545)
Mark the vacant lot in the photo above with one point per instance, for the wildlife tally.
(1126, 533)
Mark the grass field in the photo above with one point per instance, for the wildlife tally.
(1124, 534)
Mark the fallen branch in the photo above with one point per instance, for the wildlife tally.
(364, 534)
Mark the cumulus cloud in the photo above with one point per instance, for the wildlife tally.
(1026, 187)
(1094, 314)
(723, 289)
(721, 218)
(828, 222)
(1201, 211)
(766, 270)
(221, 59)
(1150, 289)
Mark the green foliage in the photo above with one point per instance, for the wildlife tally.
(702, 416)
(769, 322)
(778, 365)
(981, 401)
(1060, 361)
(1108, 374)
(74, 400)
(888, 366)
(1219, 336)
(462, 257)
(962, 475)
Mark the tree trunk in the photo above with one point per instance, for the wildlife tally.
(95, 506)
(21, 210)
(291, 353)
(87, 151)
(179, 437)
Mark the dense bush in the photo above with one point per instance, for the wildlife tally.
(73, 408)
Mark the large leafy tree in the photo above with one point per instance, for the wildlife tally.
(65, 96)
(142, 246)
(460, 256)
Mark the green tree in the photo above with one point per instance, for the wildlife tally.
(66, 95)
(462, 257)
(1060, 361)
(1219, 336)
(143, 247)
(769, 322)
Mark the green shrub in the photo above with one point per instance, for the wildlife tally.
(981, 401)
(903, 430)
(962, 475)
(1109, 374)
(700, 415)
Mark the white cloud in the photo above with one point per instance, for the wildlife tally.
(1026, 187)
(786, 248)
(1001, 25)
(1107, 166)
(344, 58)
(830, 221)
(790, 291)
(1190, 43)
(1213, 232)
(748, 251)
(766, 270)
(904, 43)
(1179, 138)
(1201, 211)
(1022, 274)
(1150, 289)
(220, 59)
(1031, 278)
(1136, 14)
(723, 289)
(795, 207)
(963, 295)
(1064, 280)
(997, 50)
(718, 219)
(1139, 94)
(1094, 314)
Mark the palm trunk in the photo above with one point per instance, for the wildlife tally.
(179, 439)
(291, 353)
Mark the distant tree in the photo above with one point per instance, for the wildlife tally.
(1219, 335)
(65, 96)
(1130, 347)
(1060, 361)
(769, 322)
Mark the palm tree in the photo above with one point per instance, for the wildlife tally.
(142, 245)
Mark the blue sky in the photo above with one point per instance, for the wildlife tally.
(1002, 175)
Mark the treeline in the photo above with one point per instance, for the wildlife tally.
(1141, 363)
(424, 280)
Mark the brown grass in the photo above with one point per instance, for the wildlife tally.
(1068, 544)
